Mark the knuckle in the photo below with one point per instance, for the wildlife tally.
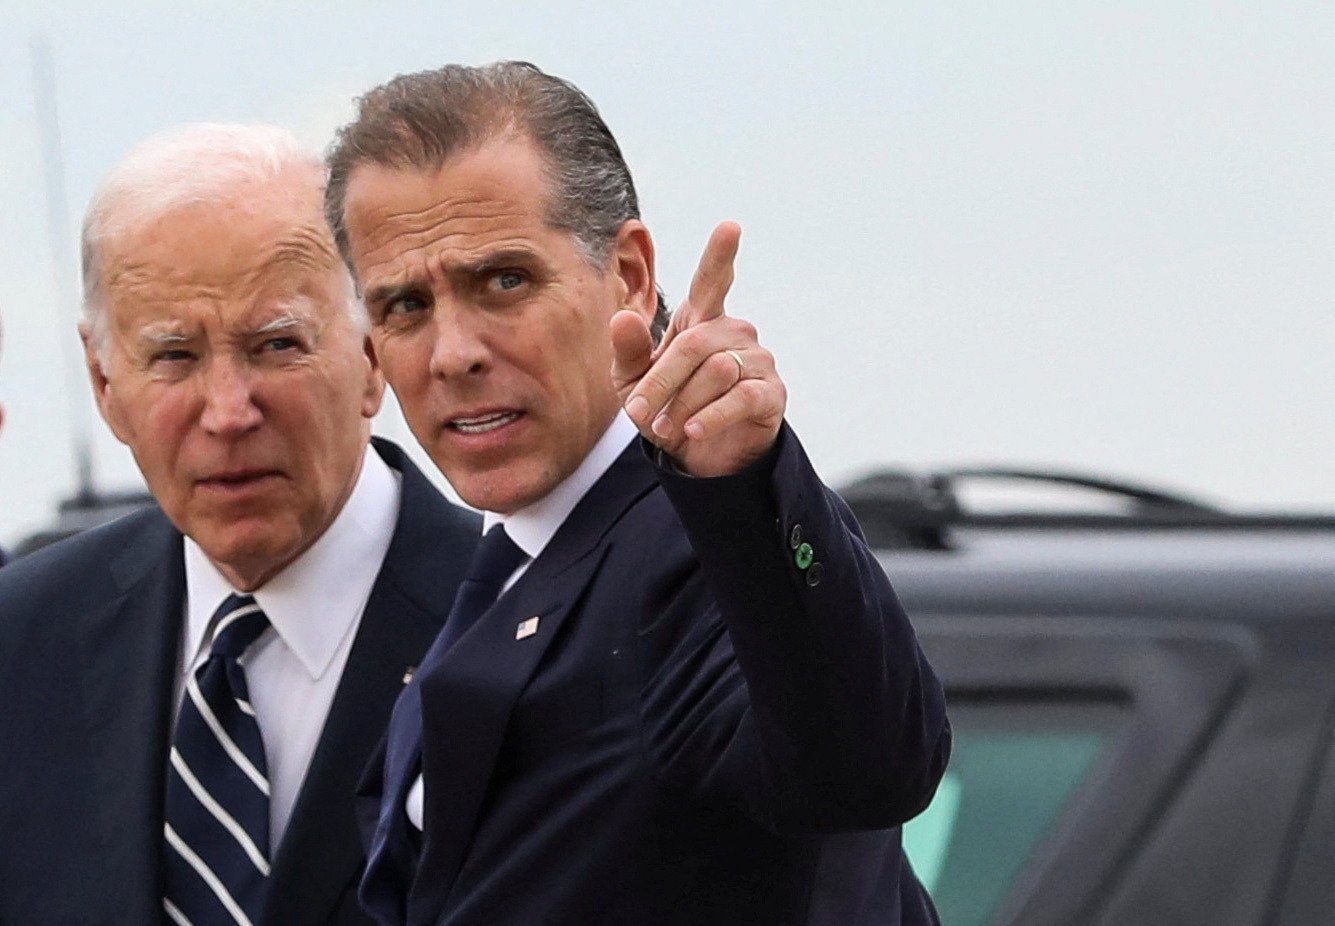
(763, 400)
(754, 391)
(653, 384)
(712, 418)
(691, 343)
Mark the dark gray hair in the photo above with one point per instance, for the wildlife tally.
(419, 121)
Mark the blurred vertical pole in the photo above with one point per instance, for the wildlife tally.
(62, 265)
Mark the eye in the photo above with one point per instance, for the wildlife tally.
(506, 280)
(280, 344)
(406, 305)
(172, 355)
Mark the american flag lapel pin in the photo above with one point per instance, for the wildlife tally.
(526, 628)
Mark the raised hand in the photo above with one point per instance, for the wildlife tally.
(709, 394)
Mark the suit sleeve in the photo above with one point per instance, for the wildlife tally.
(816, 709)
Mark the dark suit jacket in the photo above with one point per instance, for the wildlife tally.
(89, 633)
(700, 731)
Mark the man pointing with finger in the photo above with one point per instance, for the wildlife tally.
(676, 687)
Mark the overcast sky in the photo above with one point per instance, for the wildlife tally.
(1085, 235)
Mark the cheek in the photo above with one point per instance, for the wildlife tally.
(324, 404)
(159, 436)
(594, 364)
(158, 420)
(402, 359)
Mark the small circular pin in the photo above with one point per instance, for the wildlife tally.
(804, 556)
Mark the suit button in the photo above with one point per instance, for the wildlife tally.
(814, 574)
(804, 556)
(795, 538)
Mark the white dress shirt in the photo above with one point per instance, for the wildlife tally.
(533, 527)
(314, 606)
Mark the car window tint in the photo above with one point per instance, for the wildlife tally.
(1013, 770)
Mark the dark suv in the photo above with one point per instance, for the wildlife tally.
(1143, 700)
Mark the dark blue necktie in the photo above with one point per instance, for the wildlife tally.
(494, 561)
(216, 855)
(392, 859)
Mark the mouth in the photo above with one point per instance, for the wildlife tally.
(239, 478)
(483, 424)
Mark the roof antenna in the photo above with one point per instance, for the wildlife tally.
(57, 224)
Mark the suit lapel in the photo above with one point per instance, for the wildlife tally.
(467, 702)
(320, 855)
(128, 659)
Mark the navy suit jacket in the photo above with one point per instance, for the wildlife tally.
(89, 637)
(699, 731)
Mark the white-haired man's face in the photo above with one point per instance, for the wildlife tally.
(235, 373)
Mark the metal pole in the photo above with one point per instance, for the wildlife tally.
(62, 265)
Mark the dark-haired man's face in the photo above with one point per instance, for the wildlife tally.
(491, 325)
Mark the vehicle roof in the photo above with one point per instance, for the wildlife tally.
(1242, 575)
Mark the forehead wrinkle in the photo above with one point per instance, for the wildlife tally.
(147, 284)
(135, 276)
(129, 274)
(420, 227)
(301, 251)
(477, 217)
(306, 246)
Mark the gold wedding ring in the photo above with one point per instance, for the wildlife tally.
(741, 367)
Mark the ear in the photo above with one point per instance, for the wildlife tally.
(97, 376)
(632, 263)
(374, 393)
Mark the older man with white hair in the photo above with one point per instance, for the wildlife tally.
(191, 692)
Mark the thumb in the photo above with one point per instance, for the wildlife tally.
(632, 350)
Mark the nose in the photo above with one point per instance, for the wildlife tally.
(460, 347)
(229, 399)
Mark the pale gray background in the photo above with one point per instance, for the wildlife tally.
(1086, 234)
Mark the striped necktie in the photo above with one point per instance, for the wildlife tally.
(216, 857)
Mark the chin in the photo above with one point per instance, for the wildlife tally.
(249, 552)
(486, 493)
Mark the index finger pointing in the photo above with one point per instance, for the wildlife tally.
(713, 278)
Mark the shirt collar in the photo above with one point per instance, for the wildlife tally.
(532, 527)
(315, 602)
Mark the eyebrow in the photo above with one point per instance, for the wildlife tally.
(378, 295)
(162, 334)
(498, 260)
(281, 323)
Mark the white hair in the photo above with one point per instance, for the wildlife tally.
(196, 163)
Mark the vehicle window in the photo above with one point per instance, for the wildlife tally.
(1013, 771)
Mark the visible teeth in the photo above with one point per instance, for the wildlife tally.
(483, 424)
